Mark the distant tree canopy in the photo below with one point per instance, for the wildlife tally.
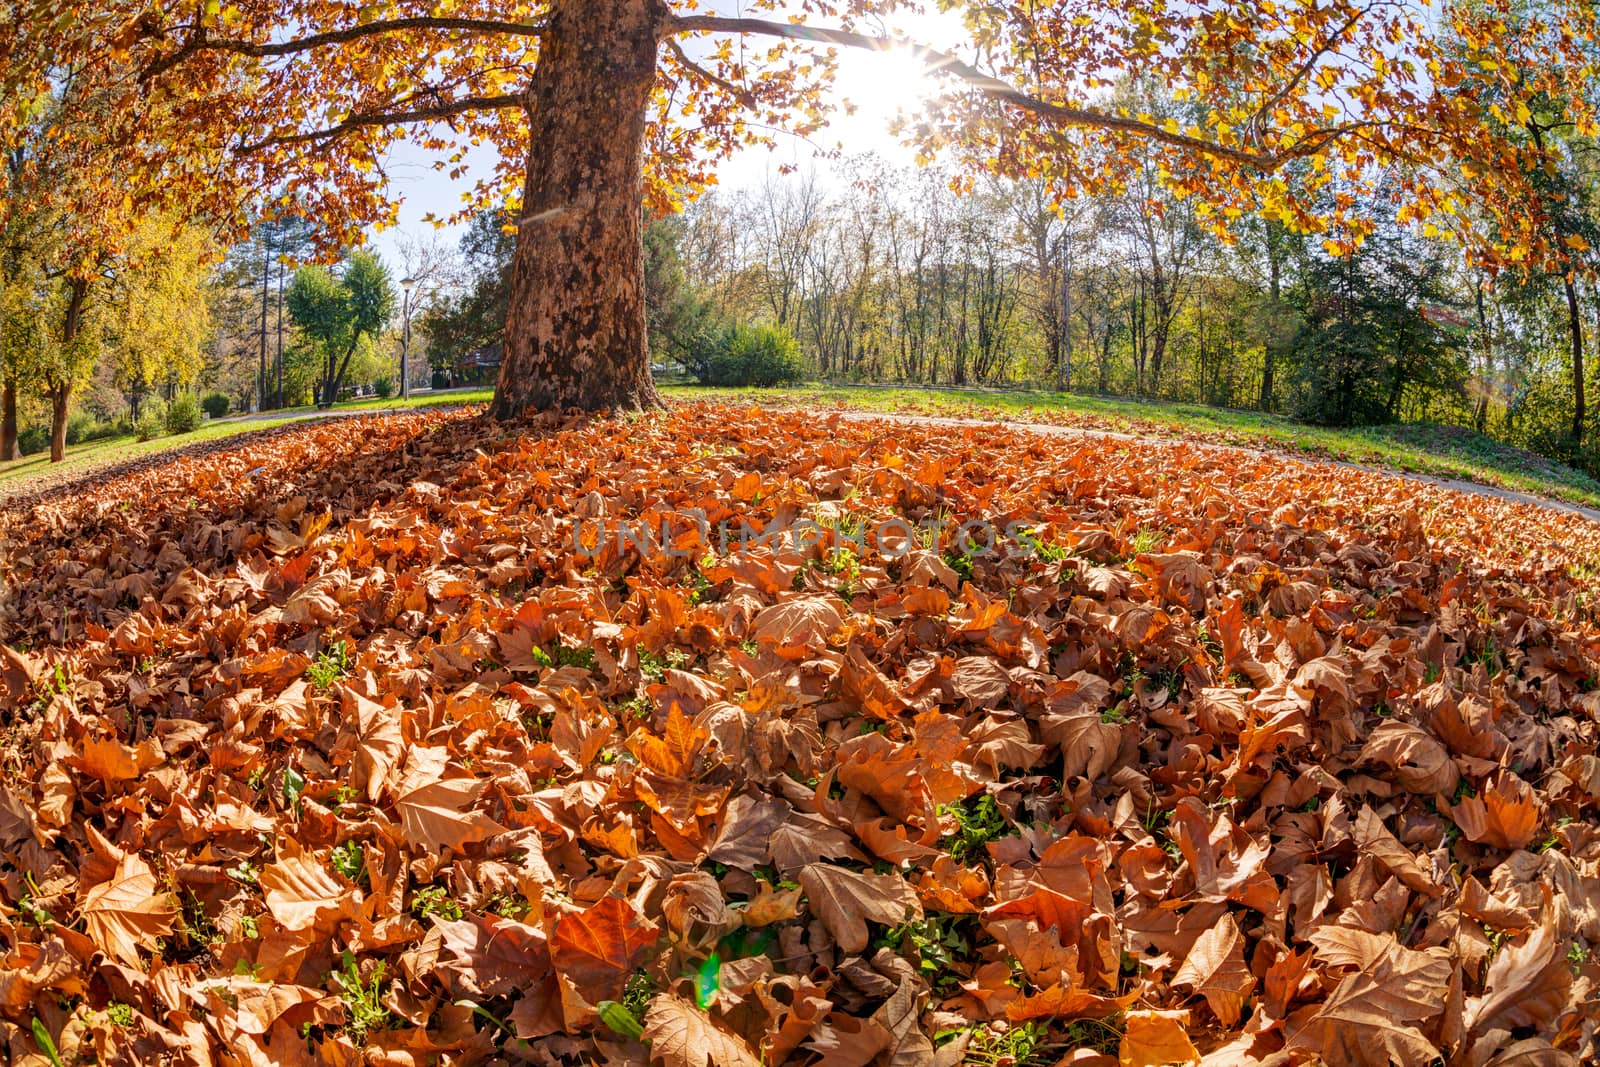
(459, 324)
(339, 314)
(1302, 110)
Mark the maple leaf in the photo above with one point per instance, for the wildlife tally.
(1421, 764)
(906, 1045)
(1215, 969)
(681, 1035)
(439, 815)
(744, 836)
(796, 627)
(125, 913)
(846, 901)
(33, 969)
(1367, 1020)
(300, 892)
(492, 956)
(597, 948)
(673, 754)
(112, 761)
(1505, 816)
(1374, 839)
(253, 1007)
(1064, 1002)
(380, 745)
(1156, 1039)
(1527, 985)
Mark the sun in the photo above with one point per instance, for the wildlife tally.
(877, 87)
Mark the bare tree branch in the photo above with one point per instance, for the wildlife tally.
(363, 120)
(944, 63)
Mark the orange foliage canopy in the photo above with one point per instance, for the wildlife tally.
(1303, 108)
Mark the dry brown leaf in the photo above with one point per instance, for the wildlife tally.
(441, 815)
(681, 1035)
(300, 892)
(1215, 969)
(597, 948)
(126, 913)
(846, 900)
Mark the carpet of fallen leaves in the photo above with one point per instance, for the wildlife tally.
(336, 748)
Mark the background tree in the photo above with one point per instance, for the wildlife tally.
(340, 314)
(158, 319)
(601, 107)
(456, 324)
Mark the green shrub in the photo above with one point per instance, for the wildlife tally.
(152, 421)
(759, 355)
(215, 404)
(384, 387)
(33, 439)
(83, 426)
(183, 416)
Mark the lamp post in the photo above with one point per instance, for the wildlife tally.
(406, 286)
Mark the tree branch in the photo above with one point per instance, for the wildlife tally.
(363, 120)
(944, 63)
(200, 41)
(744, 96)
(1328, 45)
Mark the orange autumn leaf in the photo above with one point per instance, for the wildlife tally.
(1505, 816)
(127, 913)
(1156, 1039)
(598, 947)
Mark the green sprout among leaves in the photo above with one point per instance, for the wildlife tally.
(435, 900)
(977, 823)
(350, 860)
(332, 663)
(363, 999)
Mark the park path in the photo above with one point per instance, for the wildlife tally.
(42, 486)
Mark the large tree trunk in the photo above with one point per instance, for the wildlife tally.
(8, 421)
(575, 330)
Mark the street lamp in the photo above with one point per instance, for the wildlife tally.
(406, 286)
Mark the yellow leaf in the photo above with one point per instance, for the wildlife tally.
(1156, 1039)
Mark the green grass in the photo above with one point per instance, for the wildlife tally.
(1440, 451)
(424, 400)
(111, 451)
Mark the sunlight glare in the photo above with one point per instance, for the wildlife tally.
(880, 87)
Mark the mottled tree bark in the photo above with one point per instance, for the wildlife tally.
(575, 330)
(8, 421)
(59, 388)
(60, 408)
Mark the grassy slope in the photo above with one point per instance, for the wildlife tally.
(1440, 451)
(109, 451)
